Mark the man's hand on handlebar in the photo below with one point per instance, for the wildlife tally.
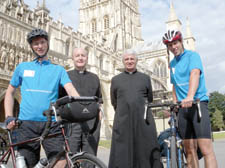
(187, 102)
(10, 122)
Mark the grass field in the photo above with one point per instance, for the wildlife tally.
(216, 135)
(219, 135)
(105, 143)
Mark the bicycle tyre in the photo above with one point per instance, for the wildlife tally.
(173, 152)
(86, 160)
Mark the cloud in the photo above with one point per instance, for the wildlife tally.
(222, 89)
(206, 20)
(208, 27)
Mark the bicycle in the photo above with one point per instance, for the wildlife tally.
(175, 154)
(77, 160)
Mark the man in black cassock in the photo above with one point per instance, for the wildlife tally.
(134, 141)
(87, 84)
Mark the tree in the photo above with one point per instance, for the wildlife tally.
(217, 120)
(217, 101)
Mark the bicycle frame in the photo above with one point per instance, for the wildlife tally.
(51, 111)
(175, 150)
(5, 158)
(178, 141)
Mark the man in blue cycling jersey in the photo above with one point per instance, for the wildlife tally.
(39, 81)
(187, 77)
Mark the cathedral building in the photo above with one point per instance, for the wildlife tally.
(107, 28)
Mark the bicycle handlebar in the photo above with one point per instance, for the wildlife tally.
(179, 104)
(60, 102)
(70, 99)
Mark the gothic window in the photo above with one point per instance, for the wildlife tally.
(87, 50)
(93, 25)
(160, 69)
(114, 67)
(156, 85)
(67, 47)
(101, 62)
(106, 22)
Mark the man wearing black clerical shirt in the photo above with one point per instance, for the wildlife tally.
(87, 84)
(134, 141)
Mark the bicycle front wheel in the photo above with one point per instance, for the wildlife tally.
(86, 160)
(173, 151)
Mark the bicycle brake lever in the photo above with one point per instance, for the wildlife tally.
(199, 111)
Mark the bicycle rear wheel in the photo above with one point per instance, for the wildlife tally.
(86, 160)
(173, 152)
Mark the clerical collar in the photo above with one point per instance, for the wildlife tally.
(80, 72)
(130, 73)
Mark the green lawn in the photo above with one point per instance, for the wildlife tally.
(220, 135)
(105, 143)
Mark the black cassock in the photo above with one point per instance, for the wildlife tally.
(134, 142)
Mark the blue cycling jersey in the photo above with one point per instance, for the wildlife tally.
(180, 70)
(39, 86)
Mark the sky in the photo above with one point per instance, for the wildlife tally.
(207, 21)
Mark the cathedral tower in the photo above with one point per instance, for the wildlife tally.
(173, 22)
(113, 22)
(42, 12)
(189, 39)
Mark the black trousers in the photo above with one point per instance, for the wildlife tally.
(81, 140)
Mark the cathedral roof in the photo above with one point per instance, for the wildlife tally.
(149, 46)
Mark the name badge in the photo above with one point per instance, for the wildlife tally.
(173, 70)
(28, 73)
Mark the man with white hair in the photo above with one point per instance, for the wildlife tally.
(87, 84)
(134, 141)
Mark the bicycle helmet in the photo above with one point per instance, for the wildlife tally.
(36, 33)
(171, 35)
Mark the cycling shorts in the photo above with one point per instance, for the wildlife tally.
(31, 151)
(189, 126)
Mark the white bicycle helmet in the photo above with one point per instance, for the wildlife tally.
(171, 36)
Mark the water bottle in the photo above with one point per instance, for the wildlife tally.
(20, 161)
(42, 163)
(3, 166)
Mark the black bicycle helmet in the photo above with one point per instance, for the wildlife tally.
(171, 36)
(36, 33)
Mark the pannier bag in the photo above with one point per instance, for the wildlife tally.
(79, 111)
(161, 140)
(163, 145)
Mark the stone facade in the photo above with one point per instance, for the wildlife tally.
(116, 23)
(106, 29)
